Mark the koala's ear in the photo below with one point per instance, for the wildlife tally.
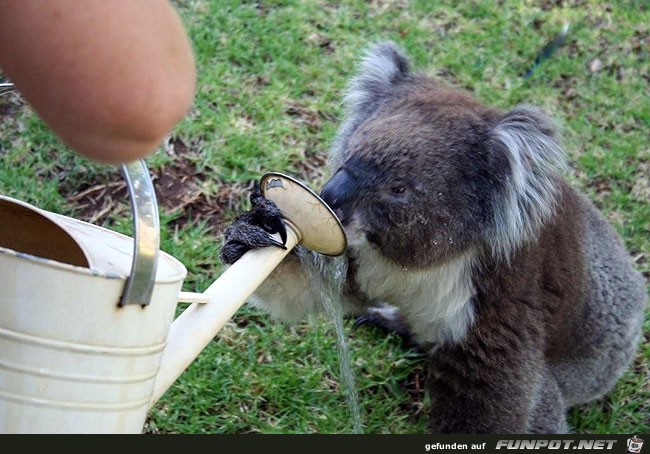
(527, 145)
(530, 140)
(382, 68)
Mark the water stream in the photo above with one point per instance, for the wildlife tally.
(330, 274)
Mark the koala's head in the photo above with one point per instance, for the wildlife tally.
(423, 173)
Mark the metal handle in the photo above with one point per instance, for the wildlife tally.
(146, 231)
(139, 285)
(6, 87)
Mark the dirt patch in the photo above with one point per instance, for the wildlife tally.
(179, 195)
(184, 192)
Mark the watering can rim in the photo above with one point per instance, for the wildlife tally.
(89, 272)
(179, 273)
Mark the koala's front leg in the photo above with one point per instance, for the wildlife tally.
(290, 291)
(253, 229)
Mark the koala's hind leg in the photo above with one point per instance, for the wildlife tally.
(390, 319)
(548, 412)
(605, 341)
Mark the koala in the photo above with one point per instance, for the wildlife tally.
(463, 233)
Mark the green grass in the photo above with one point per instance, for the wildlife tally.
(269, 91)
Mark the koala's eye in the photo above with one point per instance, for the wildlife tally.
(398, 190)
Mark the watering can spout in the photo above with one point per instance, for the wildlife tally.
(74, 356)
(309, 221)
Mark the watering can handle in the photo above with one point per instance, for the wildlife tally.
(146, 232)
(139, 285)
(6, 88)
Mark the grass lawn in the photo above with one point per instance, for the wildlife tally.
(269, 92)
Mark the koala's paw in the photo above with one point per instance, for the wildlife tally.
(253, 229)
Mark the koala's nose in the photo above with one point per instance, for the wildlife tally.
(339, 193)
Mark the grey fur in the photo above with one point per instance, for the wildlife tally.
(528, 201)
(458, 217)
(611, 325)
(382, 67)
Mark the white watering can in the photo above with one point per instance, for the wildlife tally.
(88, 340)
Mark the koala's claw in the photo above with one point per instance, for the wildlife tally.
(242, 237)
(360, 321)
(389, 319)
(253, 229)
(269, 217)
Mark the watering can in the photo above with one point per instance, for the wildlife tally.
(88, 334)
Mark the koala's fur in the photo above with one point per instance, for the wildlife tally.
(458, 218)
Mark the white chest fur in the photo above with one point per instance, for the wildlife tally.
(435, 302)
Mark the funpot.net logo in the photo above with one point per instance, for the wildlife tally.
(556, 444)
(634, 444)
